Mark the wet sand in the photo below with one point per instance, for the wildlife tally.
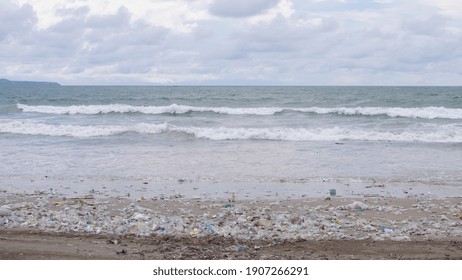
(48, 246)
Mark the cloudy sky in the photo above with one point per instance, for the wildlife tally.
(238, 42)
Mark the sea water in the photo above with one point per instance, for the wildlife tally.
(272, 136)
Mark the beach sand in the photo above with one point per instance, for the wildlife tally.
(38, 245)
(100, 225)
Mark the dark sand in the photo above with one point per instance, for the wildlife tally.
(20, 244)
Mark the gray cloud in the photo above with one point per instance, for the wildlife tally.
(15, 20)
(433, 25)
(374, 45)
(80, 42)
(240, 8)
(115, 21)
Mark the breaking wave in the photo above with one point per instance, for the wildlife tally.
(443, 135)
(152, 110)
(418, 112)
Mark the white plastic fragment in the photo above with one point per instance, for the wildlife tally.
(140, 217)
(5, 210)
(356, 205)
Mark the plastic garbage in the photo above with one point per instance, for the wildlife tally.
(240, 248)
(333, 192)
(210, 228)
(5, 210)
(140, 217)
(386, 230)
(194, 232)
(121, 252)
(356, 205)
(245, 220)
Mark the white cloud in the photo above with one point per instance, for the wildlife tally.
(284, 8)
(448, 7)
(176, 15)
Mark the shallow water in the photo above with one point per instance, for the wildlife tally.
(264, 135)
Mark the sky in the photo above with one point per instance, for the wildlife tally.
(239, 42)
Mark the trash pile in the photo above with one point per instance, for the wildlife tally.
(241, 220)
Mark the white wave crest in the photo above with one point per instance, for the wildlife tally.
(447, 134)
(420, 112)
(153, 110)
(321, 134)
(78, 131)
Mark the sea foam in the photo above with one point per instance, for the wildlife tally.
(444, 134)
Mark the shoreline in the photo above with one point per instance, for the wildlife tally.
(262, 188)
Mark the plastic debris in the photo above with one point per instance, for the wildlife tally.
(356, 205)
(243, 220)
(5, 210)
(333, 192)
(386, 230)
(113, 241)
(121, 252)
(194, 232)
(140, 217)
(240, 248)
(210, 228)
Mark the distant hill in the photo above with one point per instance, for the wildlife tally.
(5, 82)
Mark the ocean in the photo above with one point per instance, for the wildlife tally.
(273, 138)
